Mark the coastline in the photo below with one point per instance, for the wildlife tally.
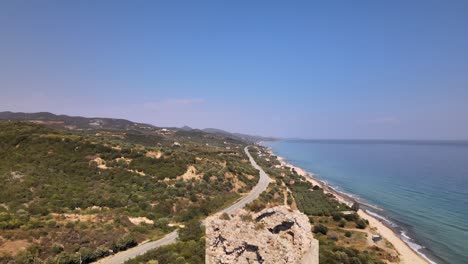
(407, 254)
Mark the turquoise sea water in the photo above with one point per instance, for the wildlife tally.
(420, 188)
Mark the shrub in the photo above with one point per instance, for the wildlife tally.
(256, 206)
(57, 248)
(320, 229)
(124, 242)
(224, 216)
(337, 216)
(333, 236)
(351, 217)
(246, 218)
(361, 224)
(67, 258)
(348, 234)
(24, 257)
(342, 223)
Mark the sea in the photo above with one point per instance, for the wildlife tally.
(418, 188)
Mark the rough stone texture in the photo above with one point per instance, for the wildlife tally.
(274, 235)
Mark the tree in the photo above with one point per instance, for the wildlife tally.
(320, 229)
(355, 206)
(191, 231)
(336, 216)
(361, 224)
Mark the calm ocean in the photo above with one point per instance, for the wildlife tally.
(419, 187)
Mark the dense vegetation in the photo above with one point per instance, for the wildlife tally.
(71, 193)
(314, 202)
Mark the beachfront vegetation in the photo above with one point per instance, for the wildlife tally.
(330, 253)
(90, 193)
(314, 201)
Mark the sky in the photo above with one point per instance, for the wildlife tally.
(308, 69)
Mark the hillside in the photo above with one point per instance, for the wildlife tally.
(82, 192)
(240, 136)
(73, 122)
(93, 123)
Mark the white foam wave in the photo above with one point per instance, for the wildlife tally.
(416, 247)
(384, 219)
(408, 240)
(370, 205)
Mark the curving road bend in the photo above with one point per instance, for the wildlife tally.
(256, 191)
(170, 238)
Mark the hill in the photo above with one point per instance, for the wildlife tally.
(92, 123)
(72, 122)
(240, 136)
(71, 194)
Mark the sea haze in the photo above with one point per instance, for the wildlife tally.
(421, 187)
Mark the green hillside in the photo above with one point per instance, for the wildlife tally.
(71, 193)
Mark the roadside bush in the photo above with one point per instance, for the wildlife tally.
(256, 206)
(67, 258)
(125, 242)
(224, 216)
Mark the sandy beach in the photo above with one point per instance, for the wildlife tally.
(407, 254)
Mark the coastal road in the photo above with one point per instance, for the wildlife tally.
(170, 238)
(133, 252)
(256, 191)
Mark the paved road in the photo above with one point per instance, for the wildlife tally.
(170, 238)
(256, 191)
(123, 256)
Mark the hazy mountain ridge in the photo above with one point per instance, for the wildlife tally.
(250, 138)
(74, 121)
(88, 123)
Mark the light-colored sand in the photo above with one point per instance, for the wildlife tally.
(154, 154)
(191, 173)
(100, 163)
(13, 247)
(139, 220)
(407, 255)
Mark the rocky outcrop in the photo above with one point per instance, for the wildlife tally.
(274, 235)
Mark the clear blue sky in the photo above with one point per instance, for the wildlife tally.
(335, 69)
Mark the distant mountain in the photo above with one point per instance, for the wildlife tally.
(89, 123)
(245, 137)
(186, 128)
(76, 122)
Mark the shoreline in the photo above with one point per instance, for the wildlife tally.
(407, 254)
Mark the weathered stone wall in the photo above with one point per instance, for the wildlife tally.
(274, 235)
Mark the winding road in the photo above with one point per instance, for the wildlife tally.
(170, 238)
